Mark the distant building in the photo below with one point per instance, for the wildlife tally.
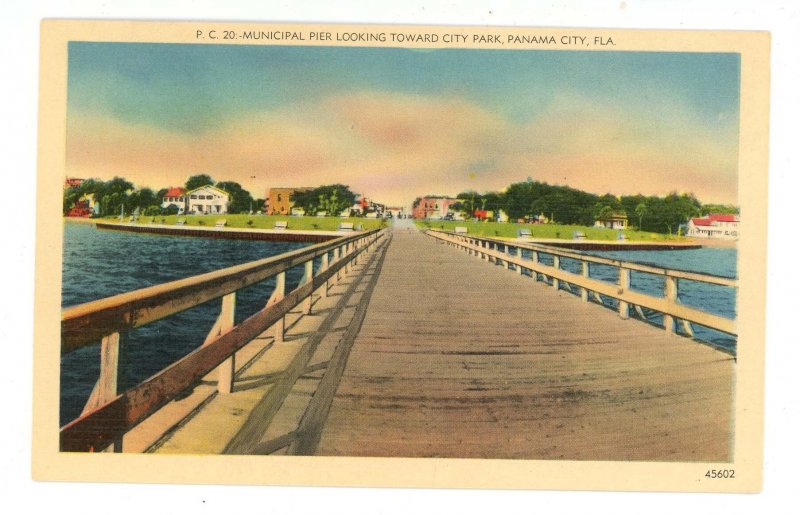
(84, 207)
(175, 197)
(615, 220)
(725, 227)
(279, 202)
(435, 208)
(395, 212)
(207, 200)
(72, 182)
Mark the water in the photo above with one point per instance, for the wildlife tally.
(99, 263)
(718, 300)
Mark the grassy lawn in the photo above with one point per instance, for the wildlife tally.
(552, 231)
(298, 223)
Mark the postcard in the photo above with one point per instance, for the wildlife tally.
(384, 255)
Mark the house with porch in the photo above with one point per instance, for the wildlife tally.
(207, 200)
(718, 226)
(615, 220)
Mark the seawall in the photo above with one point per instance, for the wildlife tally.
(231, 233)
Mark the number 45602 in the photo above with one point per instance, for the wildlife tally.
(720, 474)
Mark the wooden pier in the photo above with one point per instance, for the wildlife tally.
(420, 349)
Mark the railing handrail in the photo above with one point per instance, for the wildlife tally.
(110, 414)
(667, 305)
(629, 265)
(86, 323)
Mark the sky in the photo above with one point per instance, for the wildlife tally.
(395, 124)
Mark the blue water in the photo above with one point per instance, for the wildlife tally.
(718, 300)
(100, 263)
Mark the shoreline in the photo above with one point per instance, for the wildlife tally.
(316, 236)
(237, 233)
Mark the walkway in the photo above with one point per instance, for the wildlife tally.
(458, 358)
(426, 351)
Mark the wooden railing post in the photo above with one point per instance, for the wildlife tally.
(107, 386)
(277, 295)
(535, 259)
(624, 285)
(519, 255)
(223, 324)
(308, 276)
(556, 265)
(671, 293)
(585, 273)
(324, 267)
(337, 255)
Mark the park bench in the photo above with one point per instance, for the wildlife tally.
(281, 224)
(221, 223)
(578, 235)
(346, 226)
(461, 230)
(180, 221)
(524, 233)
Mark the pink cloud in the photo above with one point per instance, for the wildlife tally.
(394, 147)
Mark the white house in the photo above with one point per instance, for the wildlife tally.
(615, 220)
(175, 197)
(725, 227)
(207, 200)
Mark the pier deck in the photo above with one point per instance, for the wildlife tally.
(425, 351)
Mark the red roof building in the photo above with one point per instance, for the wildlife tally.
(714, 225)
(175, 197)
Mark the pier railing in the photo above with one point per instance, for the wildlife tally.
(510, 253)
(109, 414)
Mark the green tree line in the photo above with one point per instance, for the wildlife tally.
(120, 195)
(331, 199)
(565, 205)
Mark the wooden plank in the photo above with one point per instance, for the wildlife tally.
(457, 359)
(106, 388)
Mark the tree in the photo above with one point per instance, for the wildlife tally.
(143, 199)
(722, 209)
(519, 199)
(468, 203)
(492, 201)
(241, 201)
(113, 195)
(640, 210)
(605, 213)
(71, 196)
(332, 199)
(198, 181)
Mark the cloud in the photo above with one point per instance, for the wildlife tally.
(394, 147)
